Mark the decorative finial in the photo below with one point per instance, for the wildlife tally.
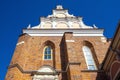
(29, 26)
(59, 7)
(94, 26)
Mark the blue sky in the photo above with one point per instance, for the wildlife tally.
(17, 14)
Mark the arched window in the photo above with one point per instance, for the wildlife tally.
(47, 53)
(89, 58)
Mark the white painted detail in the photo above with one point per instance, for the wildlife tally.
(42, 24)
(54, 24)
(45, 69)
(94, 26)
(103, 39)
(70, 24)
(36, 27)
(70, 40)
(22, 42)
(29, 26)
(45, 77)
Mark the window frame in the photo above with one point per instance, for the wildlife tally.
(51, 54)
(88, 53)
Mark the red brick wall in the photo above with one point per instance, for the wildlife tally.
(29, 56)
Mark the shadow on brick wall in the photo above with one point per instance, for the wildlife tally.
(101, 76)
(64, 61)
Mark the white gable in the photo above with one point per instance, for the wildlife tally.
(60, 22)
(60, 19)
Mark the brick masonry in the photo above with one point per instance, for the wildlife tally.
(68, 57)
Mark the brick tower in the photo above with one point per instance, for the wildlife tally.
(61, 47)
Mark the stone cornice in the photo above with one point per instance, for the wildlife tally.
(60, 32)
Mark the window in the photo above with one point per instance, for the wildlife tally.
(48, 53)
(89, 58)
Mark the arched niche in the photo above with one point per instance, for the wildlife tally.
(46, 73)
(61, 25)
(75, 25)
(47, 25)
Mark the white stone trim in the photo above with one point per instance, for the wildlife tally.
(88, 35)
(45, 69)
(42, 77)
(45, 34)
(56, 31)
(60, 32)
(22, 42)
(103, 39)
(63, 34)
(70, 40)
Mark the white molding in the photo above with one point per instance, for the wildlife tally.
(70, 40)
(45, 69)
(103, 39)
(22, 42)
(45, 77)
(45, 34)
(63, 34)
(88, 35)
(60, 32)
